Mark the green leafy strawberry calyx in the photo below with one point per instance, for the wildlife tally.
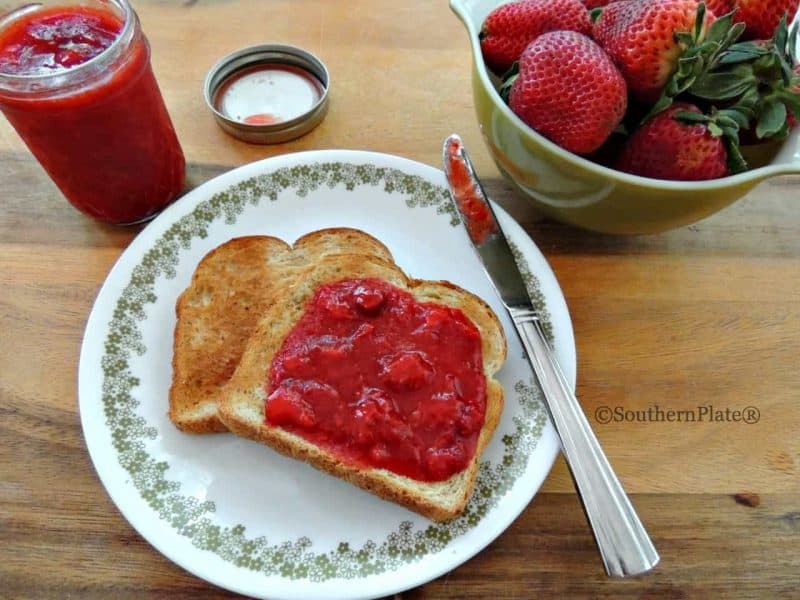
(763, 72)
(724, 124)
(595, 13)
(757, 80)
(701, 54)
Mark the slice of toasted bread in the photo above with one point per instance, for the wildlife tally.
(243, 407)
(230, 289)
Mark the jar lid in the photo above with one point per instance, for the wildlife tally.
(268, 94)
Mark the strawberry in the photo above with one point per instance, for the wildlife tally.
(719, 7)
(568, 90)
(647, 38)
(591, 4)
(762, 16)
(667, 147)
(511, 27)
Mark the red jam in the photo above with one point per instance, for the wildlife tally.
(105, 138)
(55, 40)
(477, 216)
(382, 380)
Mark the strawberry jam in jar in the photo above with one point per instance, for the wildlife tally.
(77, 86)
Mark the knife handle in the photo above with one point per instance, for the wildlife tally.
(624, 545)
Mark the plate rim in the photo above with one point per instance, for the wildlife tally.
(144, 240)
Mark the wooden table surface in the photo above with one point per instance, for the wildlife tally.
(703, 315)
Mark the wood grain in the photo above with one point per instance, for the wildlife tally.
(706, 542)
(706, 314)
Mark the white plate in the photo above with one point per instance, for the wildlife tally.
(236, 513)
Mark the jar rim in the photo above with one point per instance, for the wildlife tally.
(127, 26)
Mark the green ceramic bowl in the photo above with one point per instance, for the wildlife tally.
(575, 190)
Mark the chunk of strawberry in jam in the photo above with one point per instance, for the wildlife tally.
(295, 364)
(294, 401)
(286, 406)
(375, 416)
(338, 308)
(470, 419)
(368, 300)
(407, 371)
(365, 330)
(440, 462)
(437, 412)
(466, 329)
(380, 454)
(436, 317)
(334, 350)
(69, 57)
(366, 412)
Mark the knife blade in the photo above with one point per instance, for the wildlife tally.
(623, 542)
(482, 227)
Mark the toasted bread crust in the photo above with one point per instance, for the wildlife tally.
(242, 409)
(230, 289)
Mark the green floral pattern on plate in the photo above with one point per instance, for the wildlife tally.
(190, 517)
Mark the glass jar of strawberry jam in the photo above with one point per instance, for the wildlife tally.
(77, 86)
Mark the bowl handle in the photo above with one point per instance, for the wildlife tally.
(465, 10)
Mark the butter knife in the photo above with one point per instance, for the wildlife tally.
(624, 545)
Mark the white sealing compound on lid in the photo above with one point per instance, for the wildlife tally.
(268, 94)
